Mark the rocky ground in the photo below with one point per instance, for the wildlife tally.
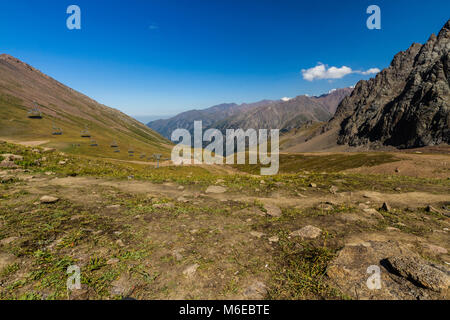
(217, 233)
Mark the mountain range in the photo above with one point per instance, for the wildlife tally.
(268, 114)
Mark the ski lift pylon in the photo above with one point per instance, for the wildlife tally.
(85, 133)
(56, 131)
(35, 113)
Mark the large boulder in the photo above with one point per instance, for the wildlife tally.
(354, 269)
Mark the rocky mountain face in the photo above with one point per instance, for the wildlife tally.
(406, 105)
(267, 114)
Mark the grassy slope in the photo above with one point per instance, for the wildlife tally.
(71, 111)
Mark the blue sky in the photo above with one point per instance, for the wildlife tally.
(164, 57)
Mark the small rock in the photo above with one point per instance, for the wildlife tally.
(272, 210)
(257, 234)
(120, 243)
(256, 291)
(374, 213)
(419, 271)
(191, 270)
(333, 189)
(386, 207)
(398, 189)
(325, 206)
(215, 189)
(48, 199)
(177, 254)
(431, 209)
(308, 232)
(11, 157)
(391, 229)
(8, 164)
(163, 205)
(8, 240)
(112, 261)
(180, 188)
(312, 185)
(274, 239)
(434, 249)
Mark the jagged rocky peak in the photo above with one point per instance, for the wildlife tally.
(407, 104)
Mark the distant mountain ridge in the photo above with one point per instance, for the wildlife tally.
(266, 114)
(208, 116)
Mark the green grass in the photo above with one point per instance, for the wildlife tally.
(15, 125)
(328, 163)
(300, 272)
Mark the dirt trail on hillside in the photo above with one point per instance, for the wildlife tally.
(409, 199)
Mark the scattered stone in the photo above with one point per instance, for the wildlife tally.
(333, 189)
(48, 199)
(363, 206)
(216, 189)
(163, 205)
(431, 209)
(256, 291)
(120, 243)
(325, 206)
(274, 239)
(398, 189)
(312, 185)
(374, 213)
(62, 162)
(391, 229)
(112, 261)
(397, 170)
(6, 259)
(262, 182)
(36, 151)
(121, 286)
(434, 249)
(257, 234)
(7, 241)
(272, 210)
(182, 199)
(191, 270)
(181, 188)
(11, 157)
(177, 254)
(308, 232)
(419, 271)
(6, 163)
(7, 179)
(386, 207)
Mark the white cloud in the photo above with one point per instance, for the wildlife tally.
(321, 71)
(285, 99)
(370, 71)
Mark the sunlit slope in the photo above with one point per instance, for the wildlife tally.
(62, 107)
